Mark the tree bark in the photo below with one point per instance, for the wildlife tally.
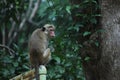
(109, 66)
(104, 63)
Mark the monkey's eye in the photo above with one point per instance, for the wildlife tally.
(51, 29)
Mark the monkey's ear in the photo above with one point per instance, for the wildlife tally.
(43, 28)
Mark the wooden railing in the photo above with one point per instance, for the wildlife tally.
(30, 75)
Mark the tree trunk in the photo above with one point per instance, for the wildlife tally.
(104, 63)
(109, 66)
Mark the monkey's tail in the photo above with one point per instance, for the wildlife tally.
(37, 72)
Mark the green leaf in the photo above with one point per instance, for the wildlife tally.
(97, 15)
(57, 59)
(5, 72)
(97, 44)
(87, 58)
(26, 67)
(68, 8)
(15, 64)
(86, 33)
(93, 20)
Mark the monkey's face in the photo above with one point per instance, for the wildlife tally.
(51, 32)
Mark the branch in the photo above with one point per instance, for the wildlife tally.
(9, 49)
(29, 75)
(25, 76)
(33, 14)
(3, 36)
(35, 9)
(22, 22)
(11, 30)
(26, 17)
(30, 22)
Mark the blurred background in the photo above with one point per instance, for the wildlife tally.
(75, 22)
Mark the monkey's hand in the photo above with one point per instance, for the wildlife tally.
(47, 55)
(51, 48)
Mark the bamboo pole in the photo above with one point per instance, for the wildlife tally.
(30, 75)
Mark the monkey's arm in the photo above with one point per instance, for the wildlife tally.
(47, 55)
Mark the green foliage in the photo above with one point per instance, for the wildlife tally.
(10, 66)
(10, 8)
(86, 33)
(70, 36)
(87, 59)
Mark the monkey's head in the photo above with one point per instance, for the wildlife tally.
(49, 30)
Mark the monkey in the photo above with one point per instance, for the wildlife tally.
(38, 47)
